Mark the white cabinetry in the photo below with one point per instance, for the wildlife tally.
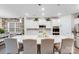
(32, 27)
(66, 25)
(30, 23)
(43, 21)
(14, 27)
(56, 26)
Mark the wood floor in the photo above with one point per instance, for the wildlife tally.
(2, 50)
(76, 50)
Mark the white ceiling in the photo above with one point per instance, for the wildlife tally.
(51, 10)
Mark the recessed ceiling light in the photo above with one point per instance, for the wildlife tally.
(26, 14)
(59, 14)
(43, 14)
(43, 9)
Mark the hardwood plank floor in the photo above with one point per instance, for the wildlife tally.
(2, 50)
(76, 50)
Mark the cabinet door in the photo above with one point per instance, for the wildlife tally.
(32, 24)
(18, 28)
(65, 27)
(12, 27)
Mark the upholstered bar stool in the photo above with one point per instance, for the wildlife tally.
(11, 46)
(47, 46)
(30, 46)
(67, 46)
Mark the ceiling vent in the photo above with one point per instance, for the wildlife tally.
(39, 4)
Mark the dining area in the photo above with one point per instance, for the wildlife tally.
(39, 30)
(34, 33)
(30, 44)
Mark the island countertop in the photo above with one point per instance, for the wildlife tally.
(57, 38)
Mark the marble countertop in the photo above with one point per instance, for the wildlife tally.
(57, 38)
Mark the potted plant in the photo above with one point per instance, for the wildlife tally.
(2, 33)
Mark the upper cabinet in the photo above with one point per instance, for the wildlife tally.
(43, 21)
(14, 27)
(55, 22)
(34, 23)
(31, 23)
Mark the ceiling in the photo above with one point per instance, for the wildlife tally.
(35, 10)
